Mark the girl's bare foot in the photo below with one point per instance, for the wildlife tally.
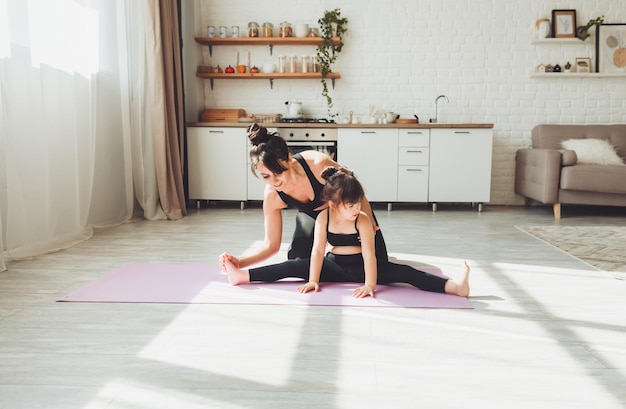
(459, 287)
(236, 276)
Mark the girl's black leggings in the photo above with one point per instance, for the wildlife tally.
(349, 268)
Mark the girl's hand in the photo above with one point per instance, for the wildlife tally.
(310, 286)
(225, 256)
(363, 292)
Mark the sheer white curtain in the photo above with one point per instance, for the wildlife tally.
(73, 122)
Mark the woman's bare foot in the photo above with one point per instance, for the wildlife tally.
(459, 287)
(236, 276)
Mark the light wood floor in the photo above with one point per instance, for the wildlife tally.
(547, 331)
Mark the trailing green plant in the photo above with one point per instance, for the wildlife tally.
(331, 25)
(582, 32)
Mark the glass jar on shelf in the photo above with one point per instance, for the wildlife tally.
(282, 64)
(253, 29)
(268, 30)
(285, 29)
(293, 64)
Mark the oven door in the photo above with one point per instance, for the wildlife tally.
(329, 148)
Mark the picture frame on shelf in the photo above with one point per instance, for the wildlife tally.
(583, 64)
(611, 48)
(564, 23)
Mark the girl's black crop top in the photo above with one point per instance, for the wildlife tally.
(342, 240)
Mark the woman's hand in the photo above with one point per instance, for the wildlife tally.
(310, 286)
(363, 292)
(225, 256)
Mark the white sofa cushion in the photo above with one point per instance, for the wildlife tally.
(593, 151)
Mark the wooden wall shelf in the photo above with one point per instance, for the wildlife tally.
(269, 41)
(268, 76)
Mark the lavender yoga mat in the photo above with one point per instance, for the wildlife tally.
(206, 284)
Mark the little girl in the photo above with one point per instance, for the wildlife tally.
(349, 234)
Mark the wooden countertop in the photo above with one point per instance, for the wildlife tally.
(323, 125)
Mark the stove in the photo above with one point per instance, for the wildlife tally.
(305, 120)
(308, 134)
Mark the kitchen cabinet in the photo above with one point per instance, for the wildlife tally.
(373, 156)
(460, 165)
(268, 41)
(413, 159)
(217, 165)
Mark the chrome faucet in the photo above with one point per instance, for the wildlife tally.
(434, 120)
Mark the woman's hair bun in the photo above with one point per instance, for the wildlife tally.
(257, 134)
(328, 172)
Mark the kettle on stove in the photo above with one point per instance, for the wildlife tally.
(294, 109)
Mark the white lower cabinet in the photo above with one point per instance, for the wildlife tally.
(413, 159)
(422, 165)
(460, 165)
(216, 163)
(373, 156)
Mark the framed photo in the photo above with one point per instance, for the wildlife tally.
(564, 23)
(611, 48)
(583, 64)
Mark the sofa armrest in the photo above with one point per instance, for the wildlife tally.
(537, 174)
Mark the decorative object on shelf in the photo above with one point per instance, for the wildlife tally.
(542, 28)
(564, 23)
(611, 48)
(331, 25)
(540, 68)
(567, 67)
(556, 68)
(583, 64)
(549, 68)
(582, 32)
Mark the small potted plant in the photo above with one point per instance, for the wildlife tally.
(331, 25)
(582, 32)
(567, 67)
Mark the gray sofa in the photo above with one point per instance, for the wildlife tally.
(550, 174)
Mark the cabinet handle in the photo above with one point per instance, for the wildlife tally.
(368, 131)
(461, 131)
(415, 132)
(413, 170)
(216, 131)
(409, 151)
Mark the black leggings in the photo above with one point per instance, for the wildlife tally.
(349, 268)
(302, 240)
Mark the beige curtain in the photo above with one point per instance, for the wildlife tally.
(168, 129)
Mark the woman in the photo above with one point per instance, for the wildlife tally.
(291, 181)
(349, 232)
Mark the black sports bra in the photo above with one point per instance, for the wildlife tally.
(311, 207)
(342, 240)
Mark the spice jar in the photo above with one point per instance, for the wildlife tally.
(282, 63)
(314, 66)
(253, 29)
(285, 30)
(293, 63)
(268, 30)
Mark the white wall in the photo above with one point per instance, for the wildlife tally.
(399, 55)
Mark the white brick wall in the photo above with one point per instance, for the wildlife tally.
(400, 55)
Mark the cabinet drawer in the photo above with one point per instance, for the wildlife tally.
(412, 155)
(414, 137)
(413, 183)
